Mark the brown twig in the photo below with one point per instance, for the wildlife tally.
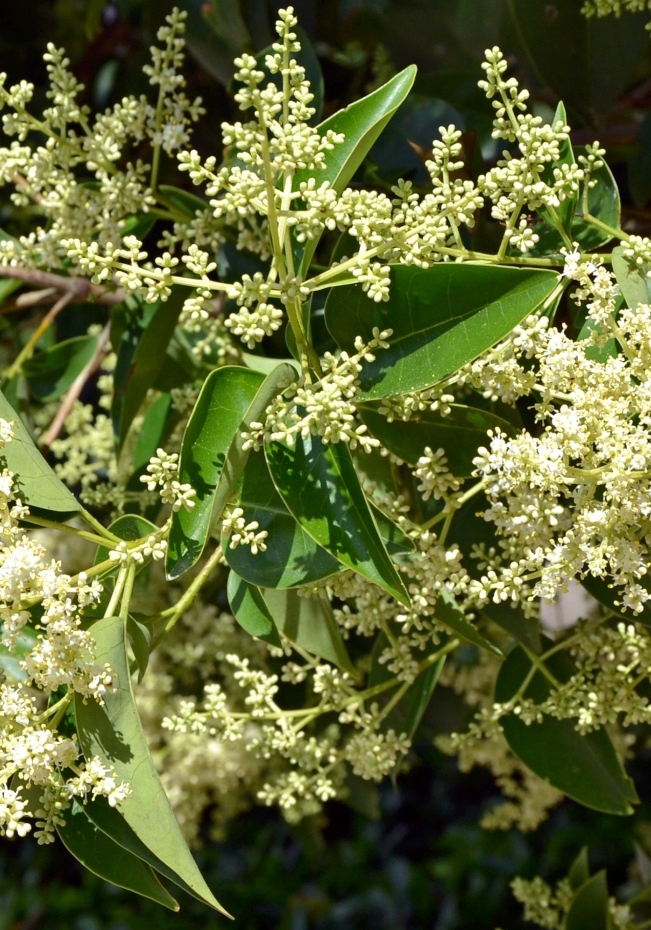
(47, 321)
(78, 289)
(75, 389)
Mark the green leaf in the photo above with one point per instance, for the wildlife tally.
(586, 62)
(114, 733)
(139, 225)
(250, 610)
(606, 594)
(141, 638)
(442, 318)
(396, 542)
(361, 123)
(589, 909)
(566, 209)
(130, 526)
(101, 855)
(321, 489)
(632, 280)
(152, 433)
(459, 434)
(525, 630)
(579, 870)
(447, 612)
(292, 558)
(212, 457)
(310, 623)
(140, 356)
(34, 481)
(184, 202)
(49, 374)
(584, 767)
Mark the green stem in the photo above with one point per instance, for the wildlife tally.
(120, 582)
(187, 598)
(127, 591)
(61, 527)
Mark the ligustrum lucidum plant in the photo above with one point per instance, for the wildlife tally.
(229, 577)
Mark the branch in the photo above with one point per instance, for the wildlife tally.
(78, 289)
(75, 390)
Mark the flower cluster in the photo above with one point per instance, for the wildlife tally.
(58, 658)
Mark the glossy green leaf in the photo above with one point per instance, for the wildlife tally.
(525, 630)
(459, 434)
(218, 415)
(442, 318)
(140, 356)
(361, 123)
(579, 870)
(292, 558)
(140, 638)
(130, 526)
(152, 433)
(586, 62)
(101, 855)
(250, 610)
(396, 542)
(320, 487)
(632, 280)
(49, 374)
(114, 733)
(212, 457)
(139, 225)
(448, 613)
(566, 209)
(184, 202)
(34, 481)
(7, 287)
(585, 767)
(309, 622)
(602, 591)
(590, 909)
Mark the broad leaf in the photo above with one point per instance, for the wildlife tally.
(309, 622)
(49, 374)
(141, 638)
(566, 209)
(361, 123)
(510, 617)
(320, 487)
(459, 434)
(140, 357)
(183, 202)
(102, 856)
(611, 598)
(632, 280)
(250, 610)
(579, 870)
(114, 733)
(590, 909)
(34, 481)
(129, 527)
(442, 318)
(212, 454)
(448, 613)
(585, 767)
(152, 434)
(292, 558)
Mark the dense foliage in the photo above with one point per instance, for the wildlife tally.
(308, 438)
